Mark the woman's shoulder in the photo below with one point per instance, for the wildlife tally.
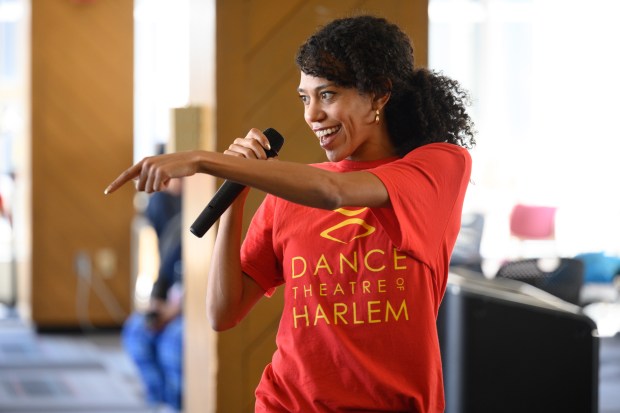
(440, 151)
(440, 158)
(440, 146)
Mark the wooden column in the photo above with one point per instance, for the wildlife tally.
(82, 133)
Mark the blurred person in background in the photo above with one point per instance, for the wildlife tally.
(154, 340)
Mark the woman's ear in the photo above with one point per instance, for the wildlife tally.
(379, 101)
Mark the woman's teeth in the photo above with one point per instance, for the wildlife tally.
(324, 132)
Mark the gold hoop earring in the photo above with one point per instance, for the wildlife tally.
(377, 117)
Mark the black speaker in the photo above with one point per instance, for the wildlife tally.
(509, 347)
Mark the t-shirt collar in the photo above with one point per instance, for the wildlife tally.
(347, 165)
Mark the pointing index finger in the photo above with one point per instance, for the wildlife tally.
(123, 178)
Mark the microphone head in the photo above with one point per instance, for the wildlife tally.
(275, 140)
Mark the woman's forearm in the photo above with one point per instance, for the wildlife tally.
(296, 182)
(292, 181)
(230, 293)
(224, 285)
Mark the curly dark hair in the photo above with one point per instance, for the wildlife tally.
(376, 57)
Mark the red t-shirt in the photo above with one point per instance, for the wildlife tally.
(362, 289)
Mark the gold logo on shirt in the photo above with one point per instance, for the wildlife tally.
(369, 229)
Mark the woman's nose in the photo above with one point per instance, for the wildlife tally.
(313, 112)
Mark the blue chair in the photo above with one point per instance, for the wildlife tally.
(599, 267)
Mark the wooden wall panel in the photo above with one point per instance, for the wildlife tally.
(256, 81)
(82, 132)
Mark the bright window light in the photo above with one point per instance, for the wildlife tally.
(543, 79)
(161, 81)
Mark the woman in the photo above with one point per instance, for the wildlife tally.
(361, 244)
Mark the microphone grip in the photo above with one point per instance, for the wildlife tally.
(223, 198)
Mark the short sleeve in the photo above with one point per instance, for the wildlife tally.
(426, 189)
(258, 259)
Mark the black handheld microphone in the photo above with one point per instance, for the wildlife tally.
(227, 193)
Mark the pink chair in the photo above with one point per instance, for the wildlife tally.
(528, 222)
(537, 223)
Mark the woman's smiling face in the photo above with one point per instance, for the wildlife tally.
(343, 120)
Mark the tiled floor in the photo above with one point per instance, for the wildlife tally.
(607, 317)
(609, 382)
(65, 373)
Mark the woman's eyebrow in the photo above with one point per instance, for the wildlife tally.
(316, 89)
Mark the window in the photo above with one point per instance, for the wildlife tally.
(13, 123)
(544, 84)
(161, 70)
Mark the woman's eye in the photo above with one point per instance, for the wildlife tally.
(304, 99)
(327, 95)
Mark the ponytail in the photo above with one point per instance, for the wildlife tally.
(429, 108)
